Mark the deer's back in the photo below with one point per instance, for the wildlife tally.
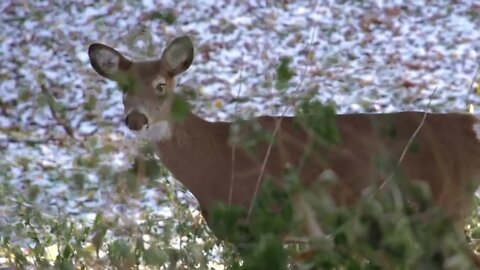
(445, 153)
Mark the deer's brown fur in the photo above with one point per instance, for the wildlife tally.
(445, 154)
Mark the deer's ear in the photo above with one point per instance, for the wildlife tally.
(107, 61)
(178, 56)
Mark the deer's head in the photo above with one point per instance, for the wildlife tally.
(148, 86)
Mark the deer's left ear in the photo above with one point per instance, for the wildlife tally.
(178, 56)
(107, 61)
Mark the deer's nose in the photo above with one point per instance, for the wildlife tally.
(136, 120)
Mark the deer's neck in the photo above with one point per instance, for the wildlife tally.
(185, 133)
(196, 153)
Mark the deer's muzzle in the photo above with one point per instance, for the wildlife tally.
(136, 120)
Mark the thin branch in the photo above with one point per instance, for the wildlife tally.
(29, 141)
(410, 141)
(296, 240)
(232, 176)
(470, 89)
(277, 127)
(62, 122)
(141, 173)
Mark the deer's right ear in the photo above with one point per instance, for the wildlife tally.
(178, 56)
(107, 61)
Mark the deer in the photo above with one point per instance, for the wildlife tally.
(216, 169)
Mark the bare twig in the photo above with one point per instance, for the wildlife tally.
(277, 127)
(470, 89)
(232, 176)
(410, 141)
(62, 122)
(30, 141)
(297, 240)
(141, 172)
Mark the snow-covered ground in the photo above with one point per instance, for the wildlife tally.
(377, 56)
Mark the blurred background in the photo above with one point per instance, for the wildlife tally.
(70, 194)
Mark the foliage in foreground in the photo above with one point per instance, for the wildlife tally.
(382, 233)
(377, 233)
(386, 229)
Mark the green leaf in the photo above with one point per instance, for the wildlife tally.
(273, 212)
(25, 94)
(33, 192)
(41, 77)
(79, 180)
(284, 74)
(66, 265)
(168, 16)
(120, 254)
(226, 222)
(68, 252)
(91, 103)
(99, 230)
(155, 256)
(126, 82)
(320, 119)
(475, 232)
(268, 254)
(249, 133)
(180, 108)
(46, 99)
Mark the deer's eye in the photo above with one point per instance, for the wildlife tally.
(160, 88)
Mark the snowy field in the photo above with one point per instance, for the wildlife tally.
(366, 56)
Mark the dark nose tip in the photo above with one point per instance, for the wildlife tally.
(136, 121)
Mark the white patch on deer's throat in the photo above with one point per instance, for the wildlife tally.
(157, 131)
(107, 60)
